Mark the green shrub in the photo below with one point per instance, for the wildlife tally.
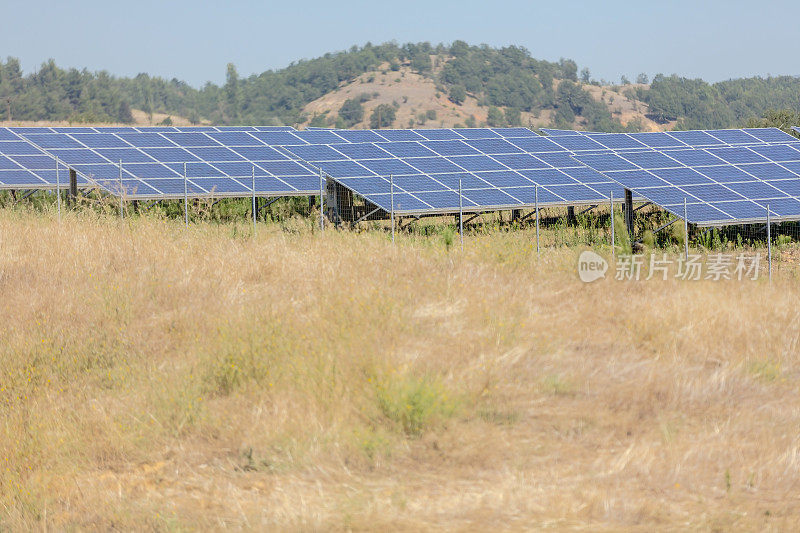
(415, 404)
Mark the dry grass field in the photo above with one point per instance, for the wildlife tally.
(154, 377)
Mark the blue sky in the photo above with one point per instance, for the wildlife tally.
(193, 41)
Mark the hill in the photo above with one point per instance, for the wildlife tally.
(414, 84)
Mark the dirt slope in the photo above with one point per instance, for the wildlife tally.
(413, 95)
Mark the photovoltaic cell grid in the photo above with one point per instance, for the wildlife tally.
(556, 133)
(218, 163)
(497, 174)
(22, 165)
(423, 176)
(722, 185)
(211, 172)
(666, 140)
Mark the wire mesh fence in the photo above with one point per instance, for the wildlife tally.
(652, 231)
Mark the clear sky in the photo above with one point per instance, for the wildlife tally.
(194, 40)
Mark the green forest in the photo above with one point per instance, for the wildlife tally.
(509, 80)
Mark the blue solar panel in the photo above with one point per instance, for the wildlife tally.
(734, 188)
(154, 153)
(491, 172)
(475, 163)
(401, 135)
(556, 132)
(737, 155)
(407, 149)
(359, 136)
(450, 147)
(494, 146)
(577, 143)
(658, 140)
(618, 141)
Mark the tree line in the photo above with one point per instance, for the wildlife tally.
(507, 81)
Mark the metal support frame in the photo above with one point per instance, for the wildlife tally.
(587, 209)
(525, 217)
(72, 196)
(642, 206)
(571, 220)
(400, 226)
(473, 217)
(367, 215)
(665, 226)
(629, 213)
(30, 192)
(267, 204)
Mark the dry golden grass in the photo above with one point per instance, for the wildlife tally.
(156, 377)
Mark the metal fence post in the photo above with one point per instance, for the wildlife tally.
(536, 204)
(685, 230)
(58, 191)
(613, 240)
(254, 199)
(121, 210)
(391, 205)
(769, 245)
(185, 197)
(321, 202)
(460, 215)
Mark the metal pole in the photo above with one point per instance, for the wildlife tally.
(321, 202)
(254, 199)
(391, 200)
(685, 231)
(769, 245)
(460, 215)
(185, 197)
(613, 240)
(536, 206)
(121, 211)
(58, 191)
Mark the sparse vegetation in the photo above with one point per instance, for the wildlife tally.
(153, 374)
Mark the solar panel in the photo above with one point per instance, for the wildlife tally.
(95, 152)
(555, 132)
(415, 177)
(24, 166)
(147, 163)
(675, 139)
(721, 185)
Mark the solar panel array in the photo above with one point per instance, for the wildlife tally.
(150, 164)
(583, 141)
(556, 133)
(23, 165)
(422, 176)
(726, 176)
(721, 185)
(498, 174)
(219, 160)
